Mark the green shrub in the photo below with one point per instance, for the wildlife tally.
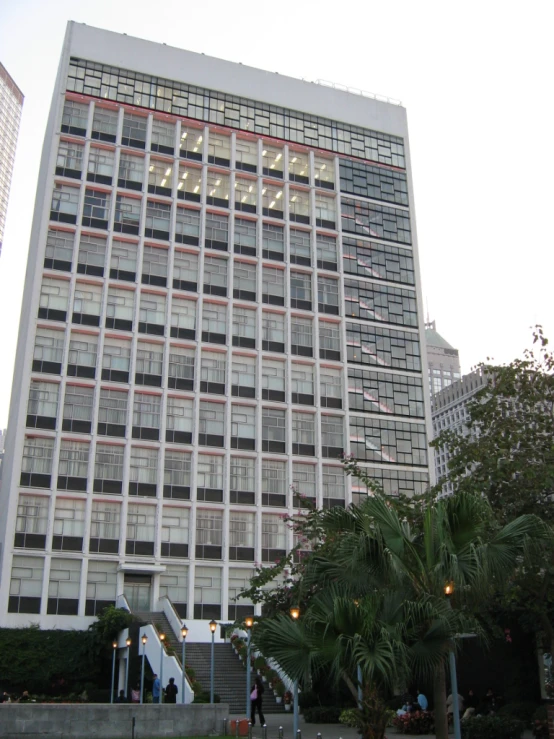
(322, 714)
(540, 713)
(259, 662)
(524, 711)
(539, 722)
(204, 697)
(417, 722)
(307, 699)
(351, 717)
(492, 727)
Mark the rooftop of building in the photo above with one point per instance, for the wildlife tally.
(434, 339)
(459, 391)
(9, 80)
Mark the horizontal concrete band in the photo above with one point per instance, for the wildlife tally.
(105, 721)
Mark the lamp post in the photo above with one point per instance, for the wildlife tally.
(128, 643)
(162, 639)
(448, 590)
(144, 640)
(184, 632)
(114, 645)
(213, 627)
(248, 622)
(295, 615)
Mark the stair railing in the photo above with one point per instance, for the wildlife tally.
(156, 655)
(170, 612)
(122, 602)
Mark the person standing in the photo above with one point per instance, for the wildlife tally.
(256, 701)
(422, 700)
(171, 691)
(135, 694)
(156, 689)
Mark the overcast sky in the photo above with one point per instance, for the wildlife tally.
(475, 77)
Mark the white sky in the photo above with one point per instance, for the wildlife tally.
(475, 77)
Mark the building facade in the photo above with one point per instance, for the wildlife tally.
(443, 361)
(11, 104)
(222, 298)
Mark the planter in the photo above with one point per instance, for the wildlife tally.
(287, 706)
(278, 699)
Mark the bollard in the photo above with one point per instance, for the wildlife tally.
(280, 732)
(298, 734)
(264, 731)
(237, 728)
(224, 727)
(250, 730)
(318, 735)
(133, 728)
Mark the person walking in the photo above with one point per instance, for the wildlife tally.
(156, 689)
(256, 701)
(171, 691)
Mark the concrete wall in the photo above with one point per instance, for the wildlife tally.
(104, 721)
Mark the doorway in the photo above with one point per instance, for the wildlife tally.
(137, 590)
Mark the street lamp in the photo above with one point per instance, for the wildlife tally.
(213, 627)
(248, 622)
(114, 645)
(162, 639)
(295, 615)
(144, 640)
(448, 591)
(128, 643)
(184, 632)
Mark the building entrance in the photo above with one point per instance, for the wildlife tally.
(137, 590)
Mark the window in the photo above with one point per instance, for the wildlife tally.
(328, 295)
(300, 247)
(378, 261)
(301, 336)
(134, 131)
(77, 409)
(112, 412)
(302, 384)
(91, 257)
(143, 472)
(190, 145)
(120, 309)
(32, 522)
(242, 484)
(127, 215)
(272, 200)
(42, 407)
(108, 469)
(243, 376)
(215, 276)
(273, 286)
(390, 442)
(87, 304)
(163, 137)
(141, 529)
(219, 149)
(385, 347)
(54, 299)
(243, 427)
(325, 211)
(303, 434)
(185, 271)
(377, 392)
(211, 424)
(246, 195)
(179, 420)
(209, 534)
(101, 586)
(209, 478)
(213, 368)
(177, 475)
(217, 189)
(73, 465)
(324, 173)
(69, 525)
(273, 332)
(299, 167)
(96, 208)
(187, 226)
(244, 281)
(101, 163)
(299, 206)
(273, 161)
(329, 340)
(245, 237)
(75, 118)
(123, 261)
(327, 256)
(82, 355)
(175, 532)
(146, 416)
(377, 183)
(330, 381)
(131, 172)
(274, 430)
(374, 302)
(239, 580)
(116, 360)
(273, 380)
(334, 487)
(158, 220)
(244, 327)
(301, 290)
(189, 186)
(160, 177)
(154, 266)
(214, 323)
(26, 584)
(379, 221)
(64, 586)
(36, 464)
(65, 204)
(304, 480)
(70, 160)
(174, 585)
(181, 368)
(207, 593)
(152, 314)
(241, 536)
(149, 364)
(332, 436)
(217, 232)
(273, 242)
(246, 155)
(275, 483)
(48, 351)
(104, 124)
(274, 538)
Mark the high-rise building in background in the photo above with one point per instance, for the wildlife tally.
(222, 298)
(11, 104)
(443, 362)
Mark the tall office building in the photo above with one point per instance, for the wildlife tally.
(11, 104)
(443, 361)
(222, 298)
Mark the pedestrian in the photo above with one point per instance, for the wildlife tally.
(135, 694)
(171, 691)
(156, 689)
(256, 701)
(121, 697)
(422, 701)
(471, 703)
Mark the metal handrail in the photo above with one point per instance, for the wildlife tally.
(358, 91)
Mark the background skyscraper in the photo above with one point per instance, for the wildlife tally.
(11, 104)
